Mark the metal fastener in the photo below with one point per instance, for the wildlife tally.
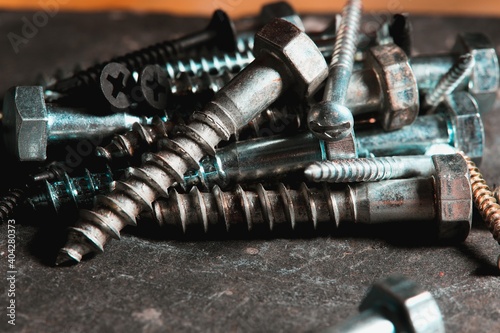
(444, 198)
(331, 119)
(30, 124)
(395, 304)
(287, 57)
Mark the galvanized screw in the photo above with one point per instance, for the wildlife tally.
(369, 169)
(330, 119)
(250, 92)
(449, 82)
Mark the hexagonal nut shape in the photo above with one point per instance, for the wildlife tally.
(25, 122)
(453, 195)
(304, 65)
(485, 77)
(466, 124)
(398, 84)
(404, 304)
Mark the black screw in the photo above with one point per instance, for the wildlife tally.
(220, 33)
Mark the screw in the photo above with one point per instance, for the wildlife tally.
(219, 32)
(413, 199)
(395, 304)
(136, 141)
(9, 202)
(369, 169)
(157, 88)
(117, 85)
(330, 119)
(484, 200)
(30, 124)
(449, 82)
(70, 193)
(250, 92)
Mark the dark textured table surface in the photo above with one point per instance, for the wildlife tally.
(144, 283)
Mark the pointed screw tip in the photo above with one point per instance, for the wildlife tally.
(64, 258)
(313, 172)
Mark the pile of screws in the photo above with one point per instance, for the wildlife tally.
(263, 130)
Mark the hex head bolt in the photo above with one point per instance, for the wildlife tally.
(220, 32)
(444, 198)
(331, 119)
(449, 82)
(286, 57)
(393, 305)
(458, 124)
(30, 125)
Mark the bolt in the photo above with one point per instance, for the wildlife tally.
(458, 125)
(331, 119)
(70, 193)
(286, 57)
(449, 82)
(266, 158)
(219, 32)
(444, 198)
(484, 200)
(30, 124)
(394, 304)
(369, 169)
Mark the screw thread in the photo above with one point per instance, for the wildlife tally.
(450, 80)
(136, 141)
(484, 199)
(71, 192)
(355, 170)
(254, 208)
(216, 63)
(186, 84)
(9, 202)
(142, 186)
(346, 41)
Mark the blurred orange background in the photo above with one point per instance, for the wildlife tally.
(238, 8)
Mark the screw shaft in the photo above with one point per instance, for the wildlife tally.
(312, 207)
(447, 84)
(369, 169)
(9, 202)
(484, 199)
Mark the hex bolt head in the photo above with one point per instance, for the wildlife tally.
(25, 122)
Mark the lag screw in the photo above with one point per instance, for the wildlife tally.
(279, 66)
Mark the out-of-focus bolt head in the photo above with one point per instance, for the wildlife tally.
(485, 77)
(403, 303)
(453, 197)
(287, 42)
(330, 121)
(466, 123)
(283, 10)
(25, 121)
(399, 85)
